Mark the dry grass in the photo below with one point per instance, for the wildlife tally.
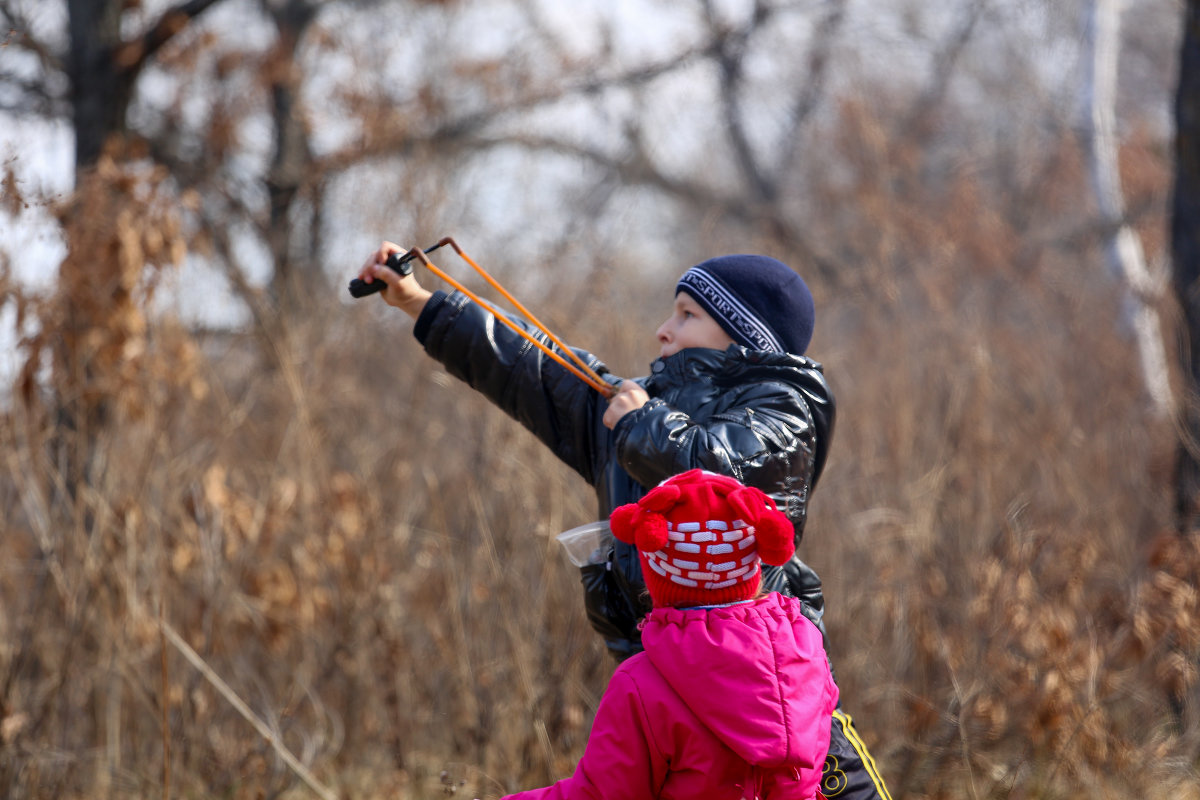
(362, 553)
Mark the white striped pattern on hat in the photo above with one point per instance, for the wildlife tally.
(685, 558)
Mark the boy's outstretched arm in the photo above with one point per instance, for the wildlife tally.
(562, 411)
(403, 291)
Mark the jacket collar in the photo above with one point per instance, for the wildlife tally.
(690, 363)
(698, 363)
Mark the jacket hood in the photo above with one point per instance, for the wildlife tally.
(755, 673)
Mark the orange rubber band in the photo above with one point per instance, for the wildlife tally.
(584, 372)
(524, 311)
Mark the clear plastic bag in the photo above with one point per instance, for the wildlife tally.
(587, 544)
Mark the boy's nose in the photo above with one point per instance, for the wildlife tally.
(662, 334)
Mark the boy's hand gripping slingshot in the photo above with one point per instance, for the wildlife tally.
(402, 264)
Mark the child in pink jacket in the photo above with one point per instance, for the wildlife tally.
(733, 696)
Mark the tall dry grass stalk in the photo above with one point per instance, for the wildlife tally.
(362, 553)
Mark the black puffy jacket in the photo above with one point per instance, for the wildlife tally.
(763, 418)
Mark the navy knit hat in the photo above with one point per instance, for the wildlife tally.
(760, 302)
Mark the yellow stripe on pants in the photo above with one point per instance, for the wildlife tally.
(860, 747)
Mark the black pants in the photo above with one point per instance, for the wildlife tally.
(849, 772)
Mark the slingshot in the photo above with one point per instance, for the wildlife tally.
(402, 263)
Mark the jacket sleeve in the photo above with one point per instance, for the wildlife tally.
(622, 758)
(765, 437)
(561, 410)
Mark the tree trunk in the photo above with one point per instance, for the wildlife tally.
(95, 292)
(99, 91)
(295, 269)
(1185, 251)
(1123, 248)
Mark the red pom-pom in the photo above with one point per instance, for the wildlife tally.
(776, 538)
(772, 529)
(622, 521)
(633, 524)
(652, 532)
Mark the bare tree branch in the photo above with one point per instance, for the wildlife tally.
(812, 88)
(133, 55)
(728, 49)
(31, 97)
(639, 170)
(270, 736)
(943, 69)
(401, 139)
(19, 34)
(593, 82)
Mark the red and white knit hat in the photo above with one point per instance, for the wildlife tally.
(701, 537)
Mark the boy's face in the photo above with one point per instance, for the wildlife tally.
(690, 326)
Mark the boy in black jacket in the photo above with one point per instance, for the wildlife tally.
(731, 393)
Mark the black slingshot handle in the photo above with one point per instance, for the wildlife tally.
(400, 262)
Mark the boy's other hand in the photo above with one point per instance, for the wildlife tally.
(402, 291)
(630, 396)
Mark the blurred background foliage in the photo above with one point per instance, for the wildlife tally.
(236, 501)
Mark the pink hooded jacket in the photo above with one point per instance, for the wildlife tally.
(731, 702)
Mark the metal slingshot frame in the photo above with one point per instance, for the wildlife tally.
(402, 263)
